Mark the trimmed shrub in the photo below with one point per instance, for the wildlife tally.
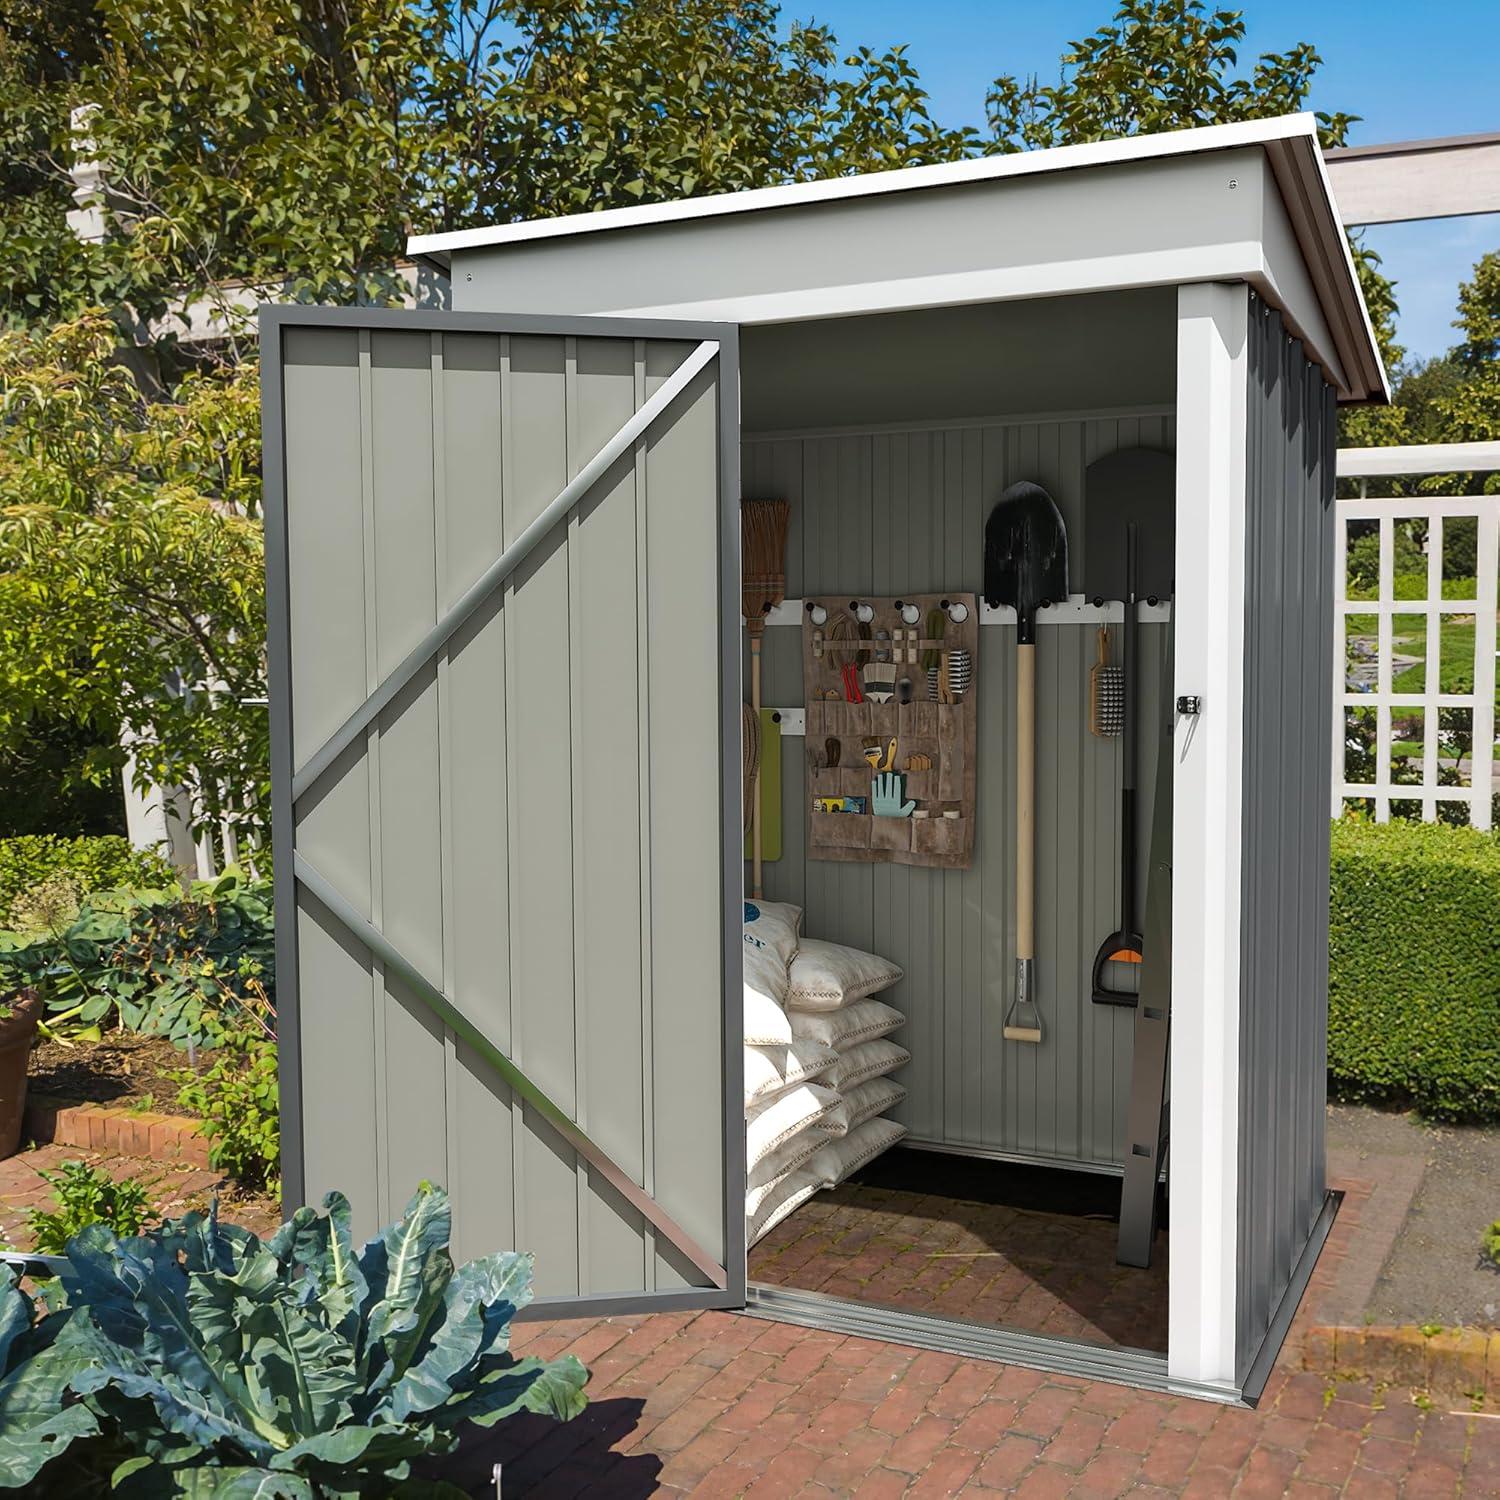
(92, 864)
(1414, 968)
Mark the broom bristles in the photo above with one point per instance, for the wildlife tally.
(763, 528)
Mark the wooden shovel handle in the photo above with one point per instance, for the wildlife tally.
(1025, 801)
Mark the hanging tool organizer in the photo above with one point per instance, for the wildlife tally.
(891, 687)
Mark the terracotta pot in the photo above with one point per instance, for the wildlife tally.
(17, 1033)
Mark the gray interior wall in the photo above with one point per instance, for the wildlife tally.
(894, 510)
(514, 821)
(1291, 429)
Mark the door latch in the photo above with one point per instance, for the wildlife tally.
(1190, 703)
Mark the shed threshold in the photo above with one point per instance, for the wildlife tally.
(1139, 1368)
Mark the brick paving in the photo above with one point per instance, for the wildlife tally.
(1042, 1272)
(172, 1188)
(721, 1404)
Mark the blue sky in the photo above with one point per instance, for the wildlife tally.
(1412, 70)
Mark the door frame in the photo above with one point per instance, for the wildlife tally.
(274, 321)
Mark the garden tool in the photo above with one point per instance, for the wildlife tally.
(1106, 693)
(1026, 567)
(1129, 499)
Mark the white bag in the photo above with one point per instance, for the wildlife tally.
(862, 1103)
(765, 975)
(839, 1159)
(766, 1023)
(776, 1121)
(770, 1070)
(789, 1193)
(773, 925)
(863, 1021)
(787, 1157)
(864, 1062)
(829, 976)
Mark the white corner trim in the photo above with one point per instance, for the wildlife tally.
(1212, 331)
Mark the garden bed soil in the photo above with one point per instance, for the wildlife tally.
(122, 1069)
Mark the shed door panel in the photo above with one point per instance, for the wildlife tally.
(518, 862)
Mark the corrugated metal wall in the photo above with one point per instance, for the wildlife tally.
(533, 822)
(1291, 432)
(890, 511)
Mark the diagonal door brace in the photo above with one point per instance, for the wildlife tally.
(495, 575)
(558, 1118)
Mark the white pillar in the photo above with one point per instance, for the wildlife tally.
(1209, 615)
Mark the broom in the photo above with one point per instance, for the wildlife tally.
(763, 525)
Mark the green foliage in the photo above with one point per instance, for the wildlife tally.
(1414, 968)
(93, 864)
(1162, 65)
(156, 961)
(132, 600)
(1172, 65)
(1456, 397)
(290, 146)
(237, 1098)
(198, 1360)
(85, 1195)
(1489, 1243)
(45, 790)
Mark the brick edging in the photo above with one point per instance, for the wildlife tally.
(94, 1127)
(1455, 1362)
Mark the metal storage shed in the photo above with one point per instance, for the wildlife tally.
(505, 658)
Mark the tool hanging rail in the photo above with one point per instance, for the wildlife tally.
(502, 568)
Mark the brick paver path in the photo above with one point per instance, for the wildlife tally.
(719, 1404)
(1020, 1268)
(172, 1189)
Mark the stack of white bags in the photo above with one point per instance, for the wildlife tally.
(817, 1058)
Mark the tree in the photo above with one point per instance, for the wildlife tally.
(293, 145)
(1163, 65)
(1171, 65)
(131, 583)
(1469, 407)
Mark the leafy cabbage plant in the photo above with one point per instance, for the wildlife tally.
(198, 1360)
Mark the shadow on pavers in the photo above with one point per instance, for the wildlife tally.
(541, 1457)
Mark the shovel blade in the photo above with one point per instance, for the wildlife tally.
(1133, 487)
(1025, 554)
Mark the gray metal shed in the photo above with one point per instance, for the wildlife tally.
(506, 663)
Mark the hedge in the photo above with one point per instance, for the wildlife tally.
(1414, 968)
(96, 864)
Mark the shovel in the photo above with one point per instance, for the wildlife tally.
(1026, 567)
(1128, 496)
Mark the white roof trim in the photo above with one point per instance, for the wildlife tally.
(1133, 148)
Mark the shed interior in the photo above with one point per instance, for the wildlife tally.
(891, 437)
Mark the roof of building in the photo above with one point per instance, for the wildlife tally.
(1290, 143)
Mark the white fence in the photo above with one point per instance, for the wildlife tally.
(1414, 645)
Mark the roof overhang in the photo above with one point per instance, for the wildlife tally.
(1311, 276)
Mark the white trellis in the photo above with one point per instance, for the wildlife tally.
(1367, 690)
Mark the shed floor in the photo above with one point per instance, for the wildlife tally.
(1001, 1250)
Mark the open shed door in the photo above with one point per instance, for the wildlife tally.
(503, 578)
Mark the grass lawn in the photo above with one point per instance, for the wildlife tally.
(1455, 646)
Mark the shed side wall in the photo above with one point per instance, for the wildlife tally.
(892, 510)
(1291, 428)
